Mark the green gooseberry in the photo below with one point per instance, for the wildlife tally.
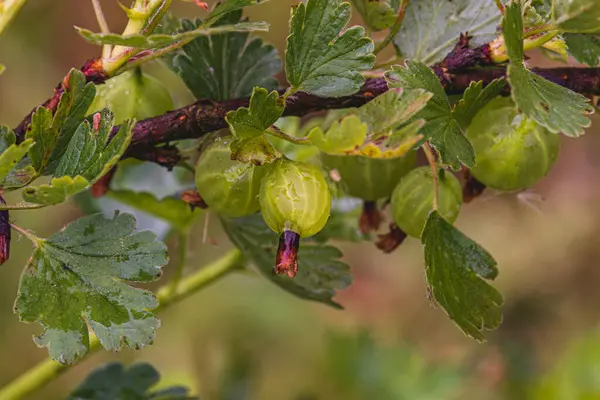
(227, 186)
(412, 199)
(512, 151)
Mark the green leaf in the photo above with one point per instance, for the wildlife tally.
(52, 138)
(319, 58)
(157, 41)
(377, 14)
(456, 268)
(431, 28)
(227, 6)
(76, 279)
(584, 48)
(88, 156)
(113, 381)
(576, 16)
(320, 272)
(475, 98)
(172, 210)
(555, 107)
(226, 66)
(249, 124)
(441, 128)
(342, 136)
(11, 153)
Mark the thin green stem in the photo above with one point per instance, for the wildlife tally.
(48, 370)
(107, 48)
(434, 173)
(536, 30)
(394, 29)
(8, 11)
(530, 44)
(274, 131)
(34, 239)
(500, 5)
(182, 247)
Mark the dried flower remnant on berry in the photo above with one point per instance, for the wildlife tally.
(4, 234)
(286, 262)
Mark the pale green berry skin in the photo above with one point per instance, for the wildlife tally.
(412, 200)
(512, 152)
(367, 178)
(227, 186)
(295, 196)
(132, 95)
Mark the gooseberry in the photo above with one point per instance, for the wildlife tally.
(227, 186)
(512, 151)
(412, 199)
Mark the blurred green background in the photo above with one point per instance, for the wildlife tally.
(243, 338)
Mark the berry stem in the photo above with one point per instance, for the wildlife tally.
(434, 173)
(394, 29)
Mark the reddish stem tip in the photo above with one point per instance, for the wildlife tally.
(286, 262)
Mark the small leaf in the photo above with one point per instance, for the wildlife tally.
(377, 14)
(75, 279)
(584, 48)
(455, 267)
(319, 58)
(157, 41)
(342, 136)
(11, 153)
(431, 28)
(112, 381)
(174, 211)
(441, 128)
(225, 7)
(577, 16)
(475, 98)
(45, 138)
(226, 66)
(320, 272)
(555, 107)
(56, 192)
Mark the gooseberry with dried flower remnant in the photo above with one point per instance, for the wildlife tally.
(295, 202)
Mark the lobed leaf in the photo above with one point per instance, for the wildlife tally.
(113, 381)
(377, 14)
(225, 7)
(550, 105)
(228, 65)
(584, 48)
(174, 211)
(156, 41)
(475, 98)
(320, 272)
(576, 16)
(431, 28)
(322, 60)
(76, 280)
(342, 136)
(10, 152)
(455, 267)
(441, 128)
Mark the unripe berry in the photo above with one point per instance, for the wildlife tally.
(227, 186)
(295, 202)
(512, 152)
(412, 199)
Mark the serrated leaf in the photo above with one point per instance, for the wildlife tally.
(88, 156)
(77, 279)
(342, 136)
(157, 41)
(71, 111)
(172, 210)
(226, 66)
(456, 267)
(11, 153)
(113, 381)
(319, 58)
(320, 272)
(441, 128)
(377, 14)
(555, 107)
(577, 16)
(475, 98)
(227, 6)
(431, 28)
(584, 48)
